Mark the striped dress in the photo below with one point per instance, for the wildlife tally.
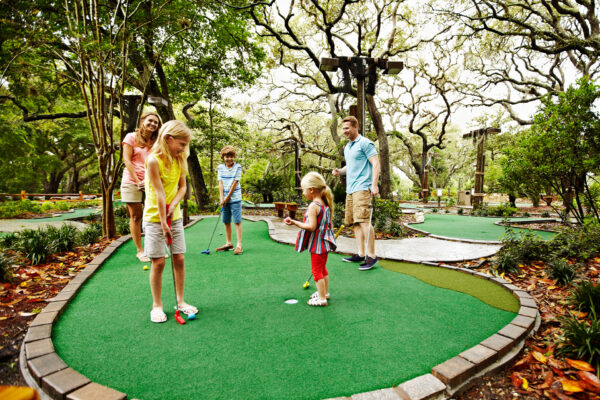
(322, 239)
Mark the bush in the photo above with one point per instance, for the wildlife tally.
(396, 229)
(460, 211)
(577, 242)
(526, 214)
(9, 241)
(504, 210)
(35, 244)
(90, 234)
(506, 262)
(62, 239)
(122, 225)
(581, 339)
(338, 216)
(121, 211)
(545, 214)
(6, 274)
(560, 270)
(586, 297)
(524, 247)
(193, 208)
(435, 210)
(481, 211)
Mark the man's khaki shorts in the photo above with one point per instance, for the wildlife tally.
(358, 207)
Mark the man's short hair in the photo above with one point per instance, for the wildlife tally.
(352, 119)
(227, 150)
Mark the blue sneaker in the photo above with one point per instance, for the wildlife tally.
(368, 264)
(354, 258)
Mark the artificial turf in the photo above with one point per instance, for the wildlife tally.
(380, 329)
(469, 227)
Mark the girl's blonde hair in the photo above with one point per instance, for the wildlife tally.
(177, 130)
(316, 181)
(142, 138)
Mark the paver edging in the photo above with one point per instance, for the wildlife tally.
(483, 358)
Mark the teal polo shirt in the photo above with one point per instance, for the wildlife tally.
(359, 171)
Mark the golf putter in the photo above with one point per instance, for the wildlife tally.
(369, 232)
(178, 317)
(306, 284)
(207, 251)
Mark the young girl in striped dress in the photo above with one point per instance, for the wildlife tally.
(316, 234)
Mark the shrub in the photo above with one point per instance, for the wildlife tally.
(560, 270)
(396, 229)
(524, 247)
(6, 274)
(90, 234)
(481, 211)
(545, 214)
(35, 244)
(581, 339)
(9, 241)
(192, 208)
(122, 225)
(64, 238)
(460, 211)
(121, 211)
(586, 296)
(503, 210)
(506, 262)
(526, 214)
(577, 242)
(338, 216)
(435, 210)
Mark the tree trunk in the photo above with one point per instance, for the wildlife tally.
(108, 213)
(385, 188)
(197, 180)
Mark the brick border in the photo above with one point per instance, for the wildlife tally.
(44, 370)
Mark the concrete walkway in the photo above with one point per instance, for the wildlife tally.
(412, 249)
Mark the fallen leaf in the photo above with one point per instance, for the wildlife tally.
(579, 314)
(517, 381)
(525, 384)
(592, 382)
(26, 314)
(3, 318)
(580, 365)
(539, 356)
(11, 303)
(569, 385)
(523, 362)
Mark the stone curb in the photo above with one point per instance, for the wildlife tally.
(46, 372)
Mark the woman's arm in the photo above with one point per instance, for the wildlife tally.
(127, 154)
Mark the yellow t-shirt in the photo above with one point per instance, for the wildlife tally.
(170, 180)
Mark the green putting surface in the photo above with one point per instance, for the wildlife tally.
(468, 227)
(76, 213)
(380, 329)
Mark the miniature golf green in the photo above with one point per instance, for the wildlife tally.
(468, 227)
(381, 328)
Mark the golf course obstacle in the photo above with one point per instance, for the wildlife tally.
(46, 371)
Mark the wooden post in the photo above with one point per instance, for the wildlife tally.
(23, 195)
(80, 195)
(479, 136)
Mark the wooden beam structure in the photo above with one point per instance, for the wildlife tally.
(479, 137)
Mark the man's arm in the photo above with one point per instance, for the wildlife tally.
(375, 164)
(338, 171)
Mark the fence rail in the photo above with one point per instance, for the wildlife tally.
(24, 195)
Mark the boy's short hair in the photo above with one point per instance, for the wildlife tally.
(227, 150)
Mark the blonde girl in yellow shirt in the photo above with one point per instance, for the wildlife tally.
(166, 168)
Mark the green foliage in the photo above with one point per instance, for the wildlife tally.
(268, 186)
(9, 241)
(15, 209)
(560, 270)
(504, 210)
(62, 239)
(581, 339)
(506, 262)
(577, 242)
(121, 211)
(90, 234)
(482, 211)
(6, 274)
(122, 225)
(192, 208)
(460, 211)
(35, 244)
(561, 148)
(586, 297)
(545, 214)
(338, 216)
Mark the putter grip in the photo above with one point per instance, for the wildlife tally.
(170, 241)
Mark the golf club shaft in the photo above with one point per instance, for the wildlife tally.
(214, 229)
(178, 318)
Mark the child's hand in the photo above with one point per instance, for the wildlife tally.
(288, 220)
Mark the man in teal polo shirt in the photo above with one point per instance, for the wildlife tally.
(362, 173)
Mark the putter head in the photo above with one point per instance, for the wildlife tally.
(207, 251)
(178, 318)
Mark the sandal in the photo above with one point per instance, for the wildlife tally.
(315, 295)
(187, 309)
(238, 250)
(317, 302)
(142, 257)
(157, 315)
(225, 247)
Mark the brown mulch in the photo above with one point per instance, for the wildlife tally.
(538, 372)
(26, 295)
